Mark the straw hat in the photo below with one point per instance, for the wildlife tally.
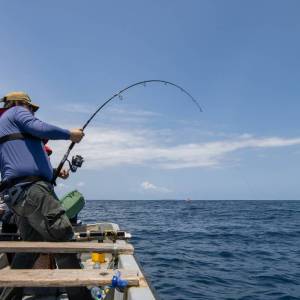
(19, 96)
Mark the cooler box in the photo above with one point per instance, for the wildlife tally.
(73, 203)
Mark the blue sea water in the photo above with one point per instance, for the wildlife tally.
(212, 249)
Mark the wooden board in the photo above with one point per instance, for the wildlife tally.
(63, 277)
(65, 247)
(3, 261)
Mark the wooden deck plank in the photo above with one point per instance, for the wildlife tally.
(64, 247)
(62, 277)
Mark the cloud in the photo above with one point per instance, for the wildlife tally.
(148, 186)
(78, 108)
(134, 113)
(107, 147)
(122, 114)
(62, 186)
(80, 184)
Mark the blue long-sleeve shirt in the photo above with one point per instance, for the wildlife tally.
(27, 157)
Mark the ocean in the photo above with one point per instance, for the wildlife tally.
(212, 249)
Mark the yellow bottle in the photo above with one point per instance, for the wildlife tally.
(97, 259)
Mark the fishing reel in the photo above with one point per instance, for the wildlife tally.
(76, 163)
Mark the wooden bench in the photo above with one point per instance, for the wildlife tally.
(63, 278)
(65, 247)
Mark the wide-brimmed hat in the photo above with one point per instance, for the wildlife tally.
(19, 96)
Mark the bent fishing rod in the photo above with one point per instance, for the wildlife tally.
(78, 160)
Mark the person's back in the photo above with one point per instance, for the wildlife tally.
(19, 158)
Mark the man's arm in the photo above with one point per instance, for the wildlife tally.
(32, 125)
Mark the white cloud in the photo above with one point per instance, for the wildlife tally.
(106, 147)
(122, 114)
(78, 108)
(148, 186)
(62, 186)
(134, 113)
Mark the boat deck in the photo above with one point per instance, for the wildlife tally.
(48, 284)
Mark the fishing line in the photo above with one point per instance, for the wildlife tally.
(120, 96)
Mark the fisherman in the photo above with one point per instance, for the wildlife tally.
(7, 217)
(27, 184)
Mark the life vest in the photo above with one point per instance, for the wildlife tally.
(21, 136)
(48, 149)
(2, 111)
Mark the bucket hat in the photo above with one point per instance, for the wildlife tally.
(19, 96)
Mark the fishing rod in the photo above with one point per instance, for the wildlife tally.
(78, 160)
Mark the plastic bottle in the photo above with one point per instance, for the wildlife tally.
(119, 283)
(96, 293)
(97, 259)
(96, 265)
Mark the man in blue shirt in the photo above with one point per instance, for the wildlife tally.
(26, 174)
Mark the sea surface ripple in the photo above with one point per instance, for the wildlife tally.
(212, 249)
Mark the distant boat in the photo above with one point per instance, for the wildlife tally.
(188, 200)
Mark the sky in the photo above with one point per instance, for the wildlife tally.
(239, 59)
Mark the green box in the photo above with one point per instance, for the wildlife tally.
(73, 203)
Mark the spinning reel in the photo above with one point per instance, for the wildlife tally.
(76, 163)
